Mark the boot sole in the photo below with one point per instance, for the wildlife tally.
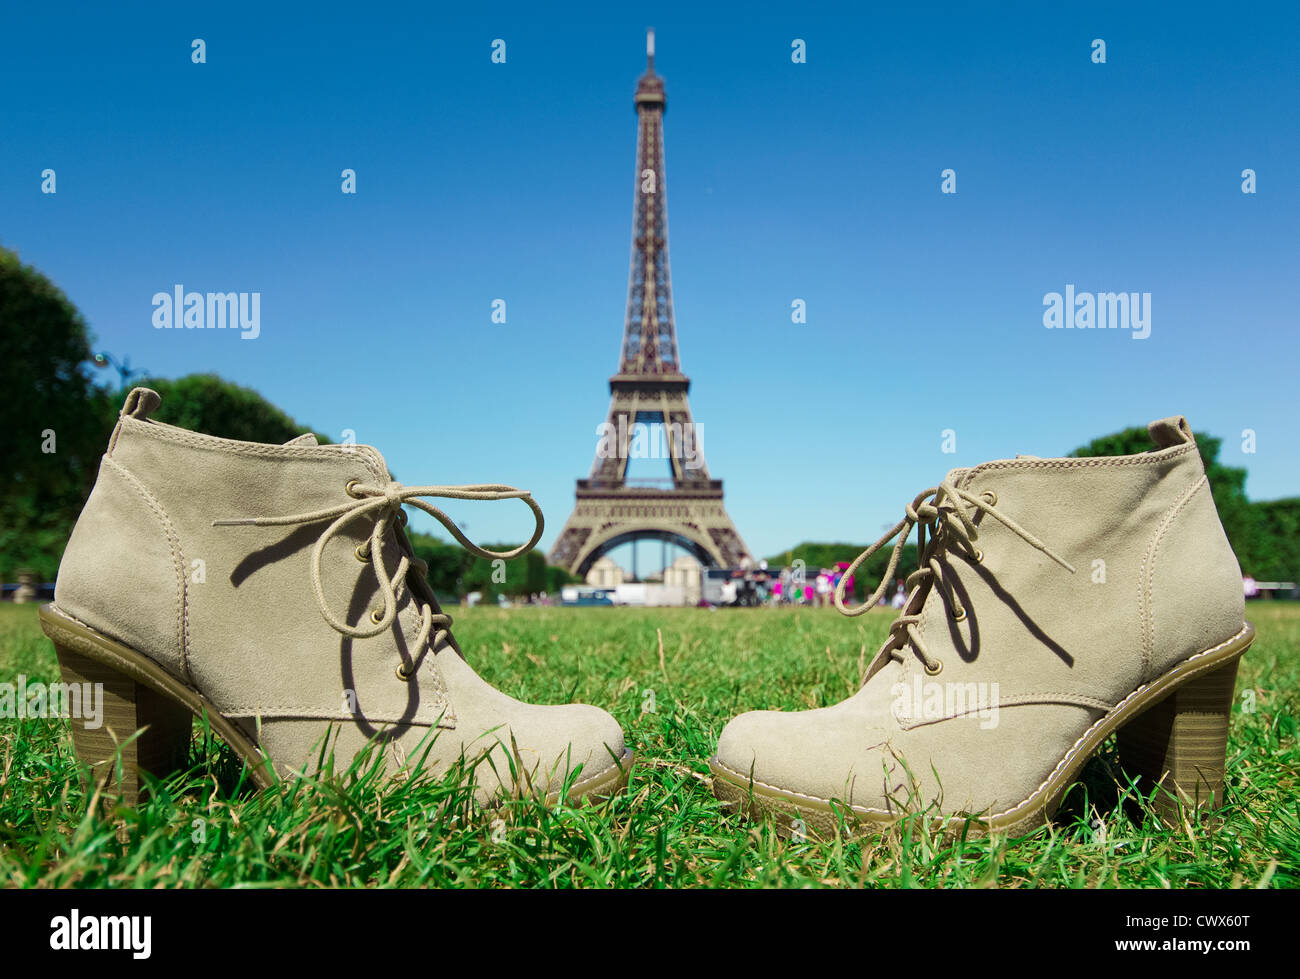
(1172, 735)
(148, 714)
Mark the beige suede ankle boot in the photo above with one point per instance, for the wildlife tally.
(1058, 601)
(310, 625)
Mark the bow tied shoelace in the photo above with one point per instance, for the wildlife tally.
(942, 510)
(384, 502)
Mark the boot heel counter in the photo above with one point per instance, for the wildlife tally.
(1193, 591)
(123, 572)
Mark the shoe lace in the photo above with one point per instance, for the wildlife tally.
(383, 501)
(942, 510)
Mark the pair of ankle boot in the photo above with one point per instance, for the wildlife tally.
(311, 633)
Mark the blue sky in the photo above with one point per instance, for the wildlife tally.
(817, 181)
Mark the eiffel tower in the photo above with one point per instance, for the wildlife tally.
(649, 390)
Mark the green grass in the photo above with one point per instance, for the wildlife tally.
(209, 828)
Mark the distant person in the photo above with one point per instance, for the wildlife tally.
(823, 589)
(900, 595)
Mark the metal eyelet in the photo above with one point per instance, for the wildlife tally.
(376, 615)
(979, 556)
(990, 497)
(959, 615)
(936, 670)
(363, 551)
(351, 488)
(402, 674)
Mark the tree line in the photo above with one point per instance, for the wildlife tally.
(64, 420)
(51, 456)
(1264, 535)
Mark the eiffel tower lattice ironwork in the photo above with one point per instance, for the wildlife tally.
(685, 508)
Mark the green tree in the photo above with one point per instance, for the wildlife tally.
(1264, 536)
(525, 575)
(1227, 483)
(212, 405)
(453, 571)
(556, 578)
(50, 452)
(1276, 556)
(447, 563)
(50, 455)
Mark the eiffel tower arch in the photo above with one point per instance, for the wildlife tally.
(686, 507)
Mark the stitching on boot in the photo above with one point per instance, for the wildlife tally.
(612, 766)
(1145, 459)
(296, 712)
(1084, 737)
(256, 449)
(1063, 697)
(1069, 755)
(178, 561)
(1148, 571)
(1048, 698)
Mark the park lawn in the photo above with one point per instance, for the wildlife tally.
(673, 677)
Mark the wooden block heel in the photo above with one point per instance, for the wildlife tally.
(109, 744)
(1179, 746)
(138, 693)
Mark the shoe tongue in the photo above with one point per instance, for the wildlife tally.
(307, 438)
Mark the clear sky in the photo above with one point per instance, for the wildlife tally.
(817, 181)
